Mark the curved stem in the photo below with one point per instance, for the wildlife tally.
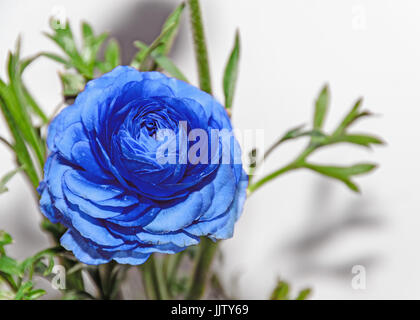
(296, 164)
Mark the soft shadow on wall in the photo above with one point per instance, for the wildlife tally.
(323, 228)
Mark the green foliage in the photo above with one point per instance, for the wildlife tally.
(282, 292)
(321, 108)
(112, 57)
(82, 60)
(320, 139)
(343, 174)
(19, 110)
(160, 47)
(72, 84)
(231, 73)
(85, 61)
(6, 178)
(163, 277)
(18, 275)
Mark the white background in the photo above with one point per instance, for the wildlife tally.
(303, 228)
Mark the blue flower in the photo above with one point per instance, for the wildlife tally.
(123, 187)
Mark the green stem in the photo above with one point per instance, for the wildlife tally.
(10, 282)
(200, 45)
(148, 281)
(296, 164)
(160, 280)
(202, 266)
(154, 280)
(173, 262)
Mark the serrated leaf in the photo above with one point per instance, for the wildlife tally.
(321, 108)
(72, 83)
(231, 73)
(5, 179)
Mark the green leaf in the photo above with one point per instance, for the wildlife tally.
(57, 58)
(231, 73)
(91, 46)
(26, 62)
(63, 37)
(164, 62)
(10, 266)
(13, 95)
(281, 292)
(297, 132)
(20, 147)
(200, 46)
(168, 39)
(142, 56)
(321, 108)
(359, 139)
(112, 54)
(34, 105)
(5, 238)
(304, 294)
(161, 46)
(353, 115)
(6, 295)
(24, 289)
(342, 174)
(5, 179)
(30, 263)
(72, 83)
(35, 294)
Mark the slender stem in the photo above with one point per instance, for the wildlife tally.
(148, 281)
(9, 282)
(296, 164)
(207, 248)
(160, 279)
(200, 45)
(154, 280)
(202, 266)
(173, 262)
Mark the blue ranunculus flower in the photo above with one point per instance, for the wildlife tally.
(119, 200)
